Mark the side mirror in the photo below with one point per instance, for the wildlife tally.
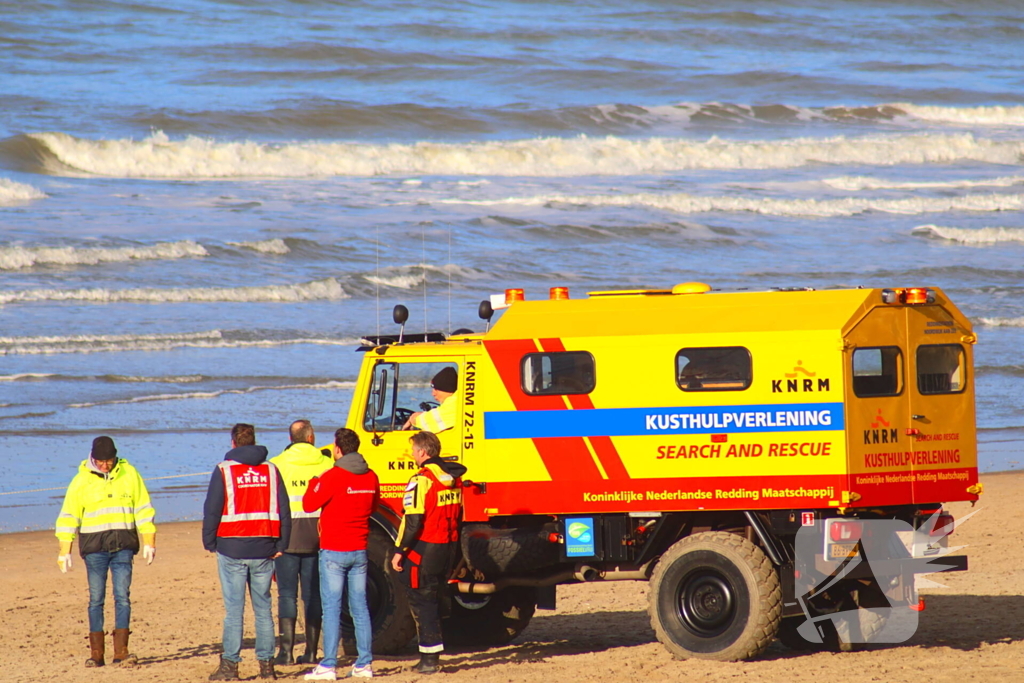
(486, 312)
(400, 315)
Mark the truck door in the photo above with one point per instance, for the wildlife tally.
(941, 404)
(398, 388)
(878, 409)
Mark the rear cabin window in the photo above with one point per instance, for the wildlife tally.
(563, 372)
(940, 369)
(878, 371)
(720, 368)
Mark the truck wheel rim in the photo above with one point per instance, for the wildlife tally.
(706, 603)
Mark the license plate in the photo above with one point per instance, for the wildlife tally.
(839, 551)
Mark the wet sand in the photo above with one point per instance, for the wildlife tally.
(973, 629)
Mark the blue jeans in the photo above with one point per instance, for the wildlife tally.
(234, 576)
(120, 566)
(294, 570)
(337, 568)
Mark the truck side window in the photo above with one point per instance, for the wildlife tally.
(563, 372)
(940, 369)
(878, 371)
(721, 368)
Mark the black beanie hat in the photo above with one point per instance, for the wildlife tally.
(447, 380)
(103, 448)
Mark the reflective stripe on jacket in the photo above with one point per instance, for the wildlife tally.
(436, 497)
(298, 464)
(250, 501)
(440, 418)
(106, 511)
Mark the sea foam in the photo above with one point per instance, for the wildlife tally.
(979, 236)
(985, 116)
(318, 290)
(12, 193)
(16, 257)
(847, 206)
(272, 246)
(191, 395)
(857, 183)
(212, 339)
(194, 157)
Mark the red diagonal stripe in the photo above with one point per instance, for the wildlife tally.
(603, 446)
(564, 457)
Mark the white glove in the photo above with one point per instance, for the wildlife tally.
(64, 562)
(148, 553)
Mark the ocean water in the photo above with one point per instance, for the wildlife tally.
(204, 204)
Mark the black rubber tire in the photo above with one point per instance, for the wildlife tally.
(715, 595)
(491, 620)
(393, 625)
(499, 552)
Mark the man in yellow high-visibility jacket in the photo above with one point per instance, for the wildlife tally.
(443, 387)
(107, 506)
(297, 566)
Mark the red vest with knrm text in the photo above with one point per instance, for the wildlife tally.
(250, 501)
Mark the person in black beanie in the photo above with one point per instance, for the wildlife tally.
(443, 386)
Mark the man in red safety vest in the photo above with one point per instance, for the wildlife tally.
(427, 541)
(247, 523)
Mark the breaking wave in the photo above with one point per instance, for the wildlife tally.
(17, 193)
(273, 246)
(328, 289)
(332, 384)
(968, 116)
(212, 339)
(408, 277)
(1001, 322)
(17, 257)
(849, 206)
(856, 183)
(159, 157)
(970, 235)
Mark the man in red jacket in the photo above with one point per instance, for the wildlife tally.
(347, 495)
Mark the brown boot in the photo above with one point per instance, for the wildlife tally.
(96, 647)
(121, 655)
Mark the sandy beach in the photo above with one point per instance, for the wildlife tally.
(973, 629)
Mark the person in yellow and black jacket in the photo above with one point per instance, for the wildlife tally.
(298, 464)
(427, 541)
(107, 506)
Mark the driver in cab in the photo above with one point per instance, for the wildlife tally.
(443, 387)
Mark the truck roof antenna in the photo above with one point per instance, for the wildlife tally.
(423, 265)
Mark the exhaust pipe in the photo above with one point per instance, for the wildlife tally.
(582, 573)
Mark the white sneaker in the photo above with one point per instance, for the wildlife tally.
(322, 673)
(361, 672)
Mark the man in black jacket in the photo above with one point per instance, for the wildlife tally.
(247, 522)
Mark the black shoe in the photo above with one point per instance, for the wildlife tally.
(430, 663)
(267, 669)
(284, 654)
(227, 671)
(312, 645)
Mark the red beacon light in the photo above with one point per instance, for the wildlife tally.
(911, 296)
(513, 295)
(558, 293)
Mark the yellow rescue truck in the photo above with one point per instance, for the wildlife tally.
(682, 437)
